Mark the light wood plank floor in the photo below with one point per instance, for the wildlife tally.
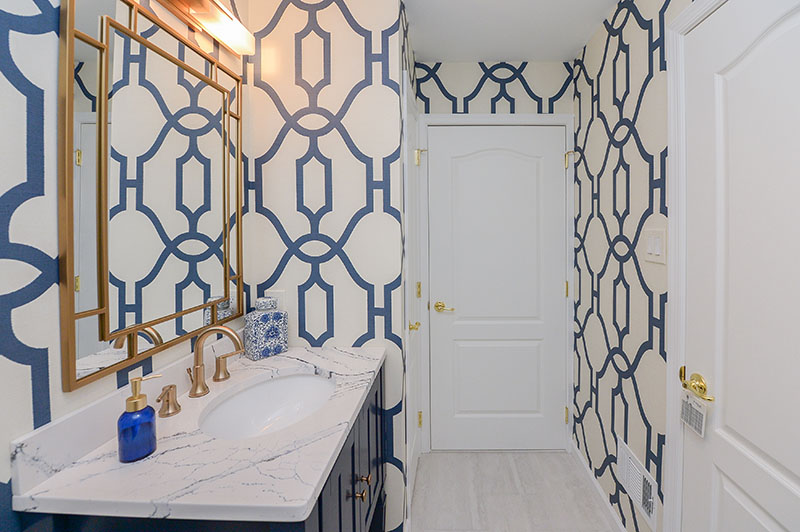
(505, 492)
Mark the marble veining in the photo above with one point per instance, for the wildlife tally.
(93, 363)
(274, 477)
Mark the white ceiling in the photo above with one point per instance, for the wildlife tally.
(496, 30)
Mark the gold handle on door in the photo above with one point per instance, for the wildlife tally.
(367, 479)
(696, 384)
(414, 326)
(361, 496)
(439, 306)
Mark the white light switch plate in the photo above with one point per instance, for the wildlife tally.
(655, 245)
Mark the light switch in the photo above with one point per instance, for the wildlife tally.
(655, 246)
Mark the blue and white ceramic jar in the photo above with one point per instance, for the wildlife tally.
(225, 308)
(266, 330)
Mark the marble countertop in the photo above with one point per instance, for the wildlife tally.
(274, 477)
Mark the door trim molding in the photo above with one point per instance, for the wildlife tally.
(677, 31)
(426, 120)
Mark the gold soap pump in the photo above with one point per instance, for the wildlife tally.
(138, 400)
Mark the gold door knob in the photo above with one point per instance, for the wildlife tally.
(367, 479)
(696, 384)
(361, 496)
(439, 306)
(414, 326)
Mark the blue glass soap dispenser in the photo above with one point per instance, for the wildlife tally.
(136, 427)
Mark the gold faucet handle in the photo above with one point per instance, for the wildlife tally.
(169, 401)
(221, 372)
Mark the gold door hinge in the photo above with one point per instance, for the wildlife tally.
(77, 283)
(79, 157)
(566, 415)
(418, 156)
(566, 288)
(419, 289)
(566, 158)
(419, 419)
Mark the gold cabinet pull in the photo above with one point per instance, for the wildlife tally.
(361, 496)
(367, 479)
(696, 384)
(439, 306)
(414, 326)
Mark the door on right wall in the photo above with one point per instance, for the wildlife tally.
(743, 257)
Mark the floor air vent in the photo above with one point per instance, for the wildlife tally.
(638, 482)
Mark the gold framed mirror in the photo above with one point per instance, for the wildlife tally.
(150, 186)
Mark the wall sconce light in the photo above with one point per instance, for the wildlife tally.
(216, 20)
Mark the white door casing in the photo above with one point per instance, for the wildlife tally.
(735, 255)
(412, 275)
(497, 215)
(85, 184)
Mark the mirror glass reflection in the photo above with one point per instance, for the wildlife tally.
(165, 190)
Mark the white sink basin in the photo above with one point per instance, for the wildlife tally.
(265, 405)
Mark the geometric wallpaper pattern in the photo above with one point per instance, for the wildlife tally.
(166, 278)
(187, 99)
(29, 311)
(324, 194)
(323, 185)
(620, 187)
(502, 87)
(28, 254)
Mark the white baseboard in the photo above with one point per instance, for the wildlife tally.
(611, 515)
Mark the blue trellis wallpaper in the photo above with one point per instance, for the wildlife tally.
(181, 122)
(502, 87)
(620, 186)
(323, 187)
(323, 204)
(30, 386)
(28, 254)
(177, 126)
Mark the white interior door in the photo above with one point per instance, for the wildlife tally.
(413, 283)
(498, 263)
(743, 250)
(85, 229)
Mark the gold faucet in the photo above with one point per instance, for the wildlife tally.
(155, 338)
(198, 373)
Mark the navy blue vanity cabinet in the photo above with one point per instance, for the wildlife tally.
(337, 503)
(370, 470)
(352, 499)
